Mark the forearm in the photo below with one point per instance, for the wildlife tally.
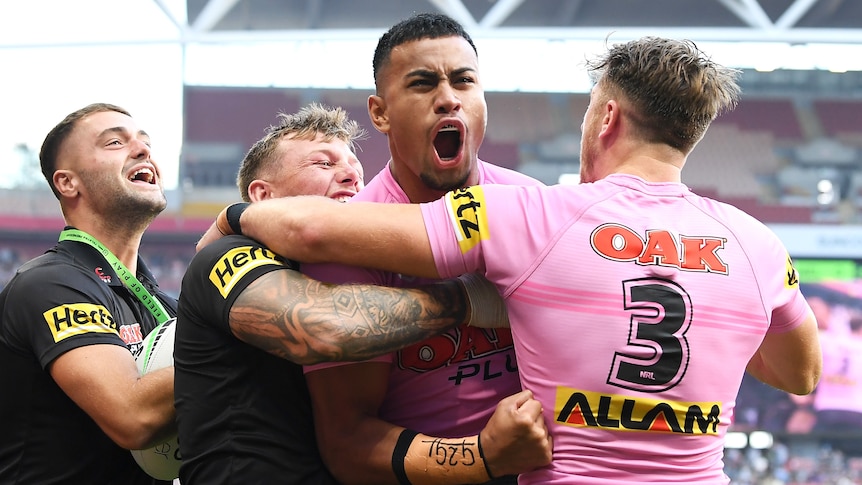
(395, 454)
(155, 407)
(312, 229)
(429, 460)
(307, 322)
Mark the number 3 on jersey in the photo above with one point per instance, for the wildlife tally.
(657, 354)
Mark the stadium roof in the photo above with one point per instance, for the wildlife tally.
(202, 21)
(711, 20)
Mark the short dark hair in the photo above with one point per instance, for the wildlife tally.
(60, 133)
(305, 124)
(676, 91)
(419, 26)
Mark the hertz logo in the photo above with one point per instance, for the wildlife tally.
(236, 263)
(623, 413)
(792, 280)
(468, 217)
(78, 318)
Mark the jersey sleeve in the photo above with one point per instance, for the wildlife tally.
(55, 308)
(779, 283)
(220, 272)
(495, 230)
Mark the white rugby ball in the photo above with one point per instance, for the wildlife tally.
(163, 460)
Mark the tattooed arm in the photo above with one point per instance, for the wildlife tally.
(300, 319)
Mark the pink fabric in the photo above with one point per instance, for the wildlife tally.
(448, 385)
(626, 298)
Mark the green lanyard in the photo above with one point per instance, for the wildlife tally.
(152, 303)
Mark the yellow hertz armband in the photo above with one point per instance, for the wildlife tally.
(236, 263)
(624, 413)
(792, 278)
(78, 318)
(466, 209)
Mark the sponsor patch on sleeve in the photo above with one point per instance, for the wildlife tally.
(791, 279)
(73, 319)
(236, 263)
(466, 209)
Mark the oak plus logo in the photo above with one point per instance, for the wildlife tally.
(73, 319)
(236, 263)
(468, 352)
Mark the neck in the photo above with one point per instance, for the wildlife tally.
(651, 162)
(122, 241)
(414, 188)
(651, 170)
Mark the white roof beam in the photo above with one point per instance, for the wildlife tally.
(499, 13)
(750, 12)
(457, 10)
(211, 15)
(181, 26)
(794, 13)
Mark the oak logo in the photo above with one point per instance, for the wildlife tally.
(236, 263)
(466, 209)
(616, 412)
(619, 243)
(73, 319)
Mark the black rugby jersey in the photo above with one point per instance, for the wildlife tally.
(244, 415)
(46, 438)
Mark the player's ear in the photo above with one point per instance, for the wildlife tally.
(377, 113)
(66, 183)
(611, 119)
(259, 190)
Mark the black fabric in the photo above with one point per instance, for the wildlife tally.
(244, 415)
(46, 438)
(399, 453)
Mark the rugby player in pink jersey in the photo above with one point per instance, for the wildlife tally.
(430, 104)
(636, 306)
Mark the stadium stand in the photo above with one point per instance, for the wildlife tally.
(841, 118)
(775, 116)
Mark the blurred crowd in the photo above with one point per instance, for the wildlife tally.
(167, 261)
(798, 461)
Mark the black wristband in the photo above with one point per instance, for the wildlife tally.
(400, 452)
(482, 454)
(233, 214)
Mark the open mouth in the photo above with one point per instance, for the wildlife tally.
(145, 175)
(447, 142)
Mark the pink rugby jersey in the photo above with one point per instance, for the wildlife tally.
(448, 385)
(634, 307)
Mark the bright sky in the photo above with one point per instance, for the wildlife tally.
(142, 67)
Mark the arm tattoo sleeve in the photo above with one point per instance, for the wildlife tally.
(306, 321)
